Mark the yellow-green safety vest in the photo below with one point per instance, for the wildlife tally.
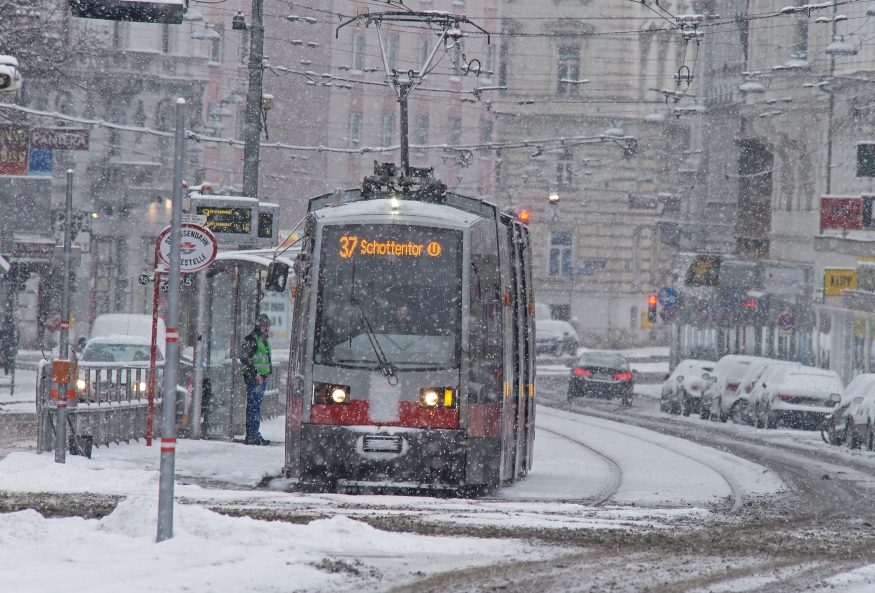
(261, 358)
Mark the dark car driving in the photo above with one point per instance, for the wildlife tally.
(601, 374)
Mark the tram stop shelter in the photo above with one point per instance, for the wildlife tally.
(232, 297)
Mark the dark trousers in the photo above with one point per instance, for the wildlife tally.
(254, 395)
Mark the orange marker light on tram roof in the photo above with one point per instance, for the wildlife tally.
(524, 215)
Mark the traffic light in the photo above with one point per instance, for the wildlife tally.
(651, 308)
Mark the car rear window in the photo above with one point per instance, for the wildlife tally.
(597, 359)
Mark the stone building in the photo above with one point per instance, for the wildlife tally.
(592, 73)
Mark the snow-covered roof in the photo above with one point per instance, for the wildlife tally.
(409, 210)
(262, 257)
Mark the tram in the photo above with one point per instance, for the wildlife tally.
(412, 356)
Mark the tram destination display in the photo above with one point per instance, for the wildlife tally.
(233, 220)
(227, 220)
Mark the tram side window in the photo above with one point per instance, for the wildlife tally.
(485, 344)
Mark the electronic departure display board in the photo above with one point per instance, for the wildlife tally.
(227, 220)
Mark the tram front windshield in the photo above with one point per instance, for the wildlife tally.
(392, 291)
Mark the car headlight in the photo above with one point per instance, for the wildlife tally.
(330, 394)
(435, 397)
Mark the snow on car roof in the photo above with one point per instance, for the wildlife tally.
(120, 339)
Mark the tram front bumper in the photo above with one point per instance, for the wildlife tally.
(399, 457)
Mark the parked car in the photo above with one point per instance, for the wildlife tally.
(602, 374)
(728, 373)
(121, 338)
(736, 405)
(554, 336)
(851, 422)
(799, 397)
(682, 390)
(774, 372)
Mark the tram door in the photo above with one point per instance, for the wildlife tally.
(529, 345)
(511, 363)
(526, 335)
(520, 374)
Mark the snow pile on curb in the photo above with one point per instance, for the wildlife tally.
(213, 552)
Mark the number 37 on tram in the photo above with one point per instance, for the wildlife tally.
(412, 356)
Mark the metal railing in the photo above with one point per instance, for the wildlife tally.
(111, 404)
(226, 413)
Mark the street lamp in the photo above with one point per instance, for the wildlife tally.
(553, 200)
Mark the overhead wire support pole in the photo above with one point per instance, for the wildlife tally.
(63, 347)
(448, 23)
(254, 102)
(171, 357)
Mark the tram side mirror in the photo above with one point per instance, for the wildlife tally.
(277, 277)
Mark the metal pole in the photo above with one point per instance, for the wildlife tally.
(405, 138)
(199, 359)
(153, 350)
(171, 358)
(63, 353)
(254, 102)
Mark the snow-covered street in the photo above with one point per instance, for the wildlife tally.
(233, 529)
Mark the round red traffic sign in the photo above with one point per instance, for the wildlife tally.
(197, 249)
(667, 314)
(786, 321)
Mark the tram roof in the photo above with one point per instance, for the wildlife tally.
(453, 200)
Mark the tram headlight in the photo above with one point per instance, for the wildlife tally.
(330, 394)
(80, 384)
(338, 395)
(142, 386)
(437, 397)
(429, 398)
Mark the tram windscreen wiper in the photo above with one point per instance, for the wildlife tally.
(387, 368)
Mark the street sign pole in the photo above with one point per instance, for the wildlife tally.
(63, 354)
(171, 360)
(153, 350)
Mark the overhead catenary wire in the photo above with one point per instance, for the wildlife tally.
(562, 140)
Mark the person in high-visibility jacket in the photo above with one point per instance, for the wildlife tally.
(255, 357)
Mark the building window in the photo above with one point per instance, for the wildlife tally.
(355, 130)
(358, 51)
(502, 65)
(568, 69)
(216, 46)
(420, 132)
(243, 51)
(564, 175)
(486, 125)
(167, 40)
(560, 253)
(392, 51)
(454, 131)
(388, 130)
(487, 69)
(424, 51)
(456, 58)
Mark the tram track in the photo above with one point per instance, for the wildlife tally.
(616, 470)
(736, 498)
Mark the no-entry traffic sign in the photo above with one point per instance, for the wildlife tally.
(196, 251)
(667, 314)
(786, 321)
